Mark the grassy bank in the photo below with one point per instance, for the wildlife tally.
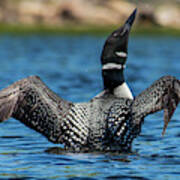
(83, 30)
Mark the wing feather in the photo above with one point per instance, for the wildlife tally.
(34, 104)
(163, 94)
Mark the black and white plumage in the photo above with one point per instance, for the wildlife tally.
(105, 123)
(113, 60)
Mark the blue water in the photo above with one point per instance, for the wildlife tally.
(71, 67)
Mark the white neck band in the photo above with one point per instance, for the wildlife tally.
(113, 66)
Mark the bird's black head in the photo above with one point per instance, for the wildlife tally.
(114, 54)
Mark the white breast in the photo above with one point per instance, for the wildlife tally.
(123, 91)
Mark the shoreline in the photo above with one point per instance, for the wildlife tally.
(71, 29)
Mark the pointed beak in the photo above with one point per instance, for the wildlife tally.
(129, 22)
(131, 18)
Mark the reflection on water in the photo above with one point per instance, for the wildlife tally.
(71, 67)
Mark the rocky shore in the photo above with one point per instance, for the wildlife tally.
(91, 12)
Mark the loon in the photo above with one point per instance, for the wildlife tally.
(107, 122)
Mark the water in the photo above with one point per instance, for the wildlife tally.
(70, 66)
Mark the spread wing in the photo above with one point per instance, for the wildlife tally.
(163, 94)
(33, 103)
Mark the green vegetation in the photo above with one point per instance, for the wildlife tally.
(156, 31)
(83, 30)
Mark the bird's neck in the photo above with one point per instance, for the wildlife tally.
(115, 83)
(112, 78)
